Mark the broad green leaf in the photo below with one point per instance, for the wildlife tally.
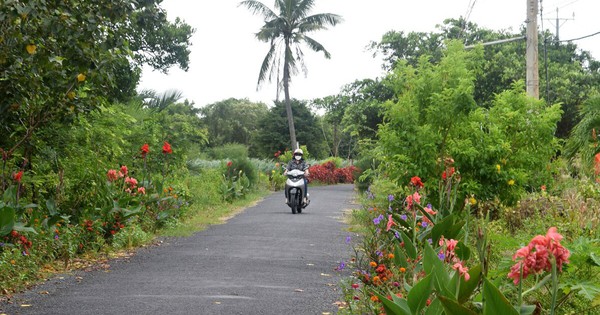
(51, 206)
(494, 301)
(462, 251)
(595, 259)
(433, 265)
(527, 309)
(587, 289)
(392, 308)
(441, 228)
(418, 295)
(435, 308)
(409, 246)
(399, 257)
(7, 220)
(20, 226)
(451, 307)
(467, 287)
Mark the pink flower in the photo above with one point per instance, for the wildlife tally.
(112, 175)
(124, 170)
(131, 181)
(416, 197)
(536, 256)
(141, 190)
(390, 222)
(462, 270)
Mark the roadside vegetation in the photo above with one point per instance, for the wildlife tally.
(476, 199)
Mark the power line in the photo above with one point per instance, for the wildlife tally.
(568, 4)
(578, 38)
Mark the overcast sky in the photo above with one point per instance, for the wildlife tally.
(225, 56)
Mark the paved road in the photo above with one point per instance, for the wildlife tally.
(265, 260)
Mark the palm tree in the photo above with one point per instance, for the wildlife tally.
(285, 32)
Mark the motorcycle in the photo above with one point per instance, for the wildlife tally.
(294, 191)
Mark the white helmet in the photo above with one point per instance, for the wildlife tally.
(298, 151)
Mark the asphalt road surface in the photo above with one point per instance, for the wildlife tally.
(265, 260)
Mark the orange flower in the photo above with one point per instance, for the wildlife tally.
(373, 264)
(402, 269)
(391, 256)
(17, 176)
(374, 298)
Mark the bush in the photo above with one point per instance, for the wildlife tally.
(229, 151)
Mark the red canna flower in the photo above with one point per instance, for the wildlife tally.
(166, 149)
(416, 181)
(145, 149)
(229, 164)
(17, 176)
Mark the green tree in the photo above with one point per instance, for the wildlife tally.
(60, 59)
(500, 151)
(572, 73)
(233, 121)
(583, 141)
(271, 136)
(286, 32)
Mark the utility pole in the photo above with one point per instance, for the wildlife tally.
(532, 74)
(558, 24)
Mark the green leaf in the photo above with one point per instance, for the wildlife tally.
(435, 308)
(409, 246)
(433, 265)
(462, 251)
(7, 220)
(418, 295)
(51, 206)
(587, 289)
(494, 301)
(399, 257)
(441, 228)
(595, 259)
(451, 307)
(527, 309)
(467, 287)
(392, 308)
(20, 226)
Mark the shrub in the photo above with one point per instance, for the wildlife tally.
(230, 151)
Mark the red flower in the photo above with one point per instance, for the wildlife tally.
(416, 181)
(167, 148)
(145, 149)
(17, 176)
(229, 164)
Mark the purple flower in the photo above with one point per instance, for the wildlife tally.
(430, 241)
(56, 236)
(403, 217)
(396, 235)
(424, 224)
(429, 205)
(378, 219)
(390, 198)
(341, 266)
(396, 284)
(348, 239)
(379, 253)
(24, 253)
(441, 256)
(1, 244)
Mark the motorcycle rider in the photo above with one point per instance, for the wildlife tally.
(298, 163)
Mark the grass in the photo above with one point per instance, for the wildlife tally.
(204, 216)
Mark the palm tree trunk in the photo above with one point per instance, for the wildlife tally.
(288, 105)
